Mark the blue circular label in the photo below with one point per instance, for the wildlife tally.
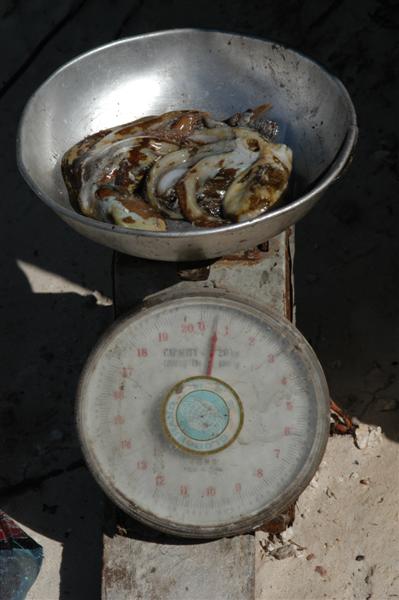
(202, 415)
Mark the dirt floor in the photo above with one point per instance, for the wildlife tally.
(343, 544)
(56, 293)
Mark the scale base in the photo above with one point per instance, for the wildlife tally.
(266, 276)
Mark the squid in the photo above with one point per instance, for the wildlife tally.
(183, 165)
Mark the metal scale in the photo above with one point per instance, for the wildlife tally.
(203, 413)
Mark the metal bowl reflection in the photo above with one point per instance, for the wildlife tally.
(207, 70)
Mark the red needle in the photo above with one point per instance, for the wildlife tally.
(212, 351)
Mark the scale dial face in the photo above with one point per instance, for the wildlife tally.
(203, 415)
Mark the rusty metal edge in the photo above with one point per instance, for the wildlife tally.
(289, 276)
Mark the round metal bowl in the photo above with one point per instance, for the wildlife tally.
(208, 70)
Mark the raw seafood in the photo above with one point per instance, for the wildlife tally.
(179, 165)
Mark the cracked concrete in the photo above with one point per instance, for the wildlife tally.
(346, 527)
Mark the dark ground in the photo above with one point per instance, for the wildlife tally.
(346, 264)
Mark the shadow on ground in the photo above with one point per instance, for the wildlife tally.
(44, 483)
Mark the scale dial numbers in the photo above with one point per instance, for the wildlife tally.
(200, 414)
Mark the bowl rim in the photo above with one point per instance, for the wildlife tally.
(332, 173)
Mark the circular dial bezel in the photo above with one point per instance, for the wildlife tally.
(298, 483)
